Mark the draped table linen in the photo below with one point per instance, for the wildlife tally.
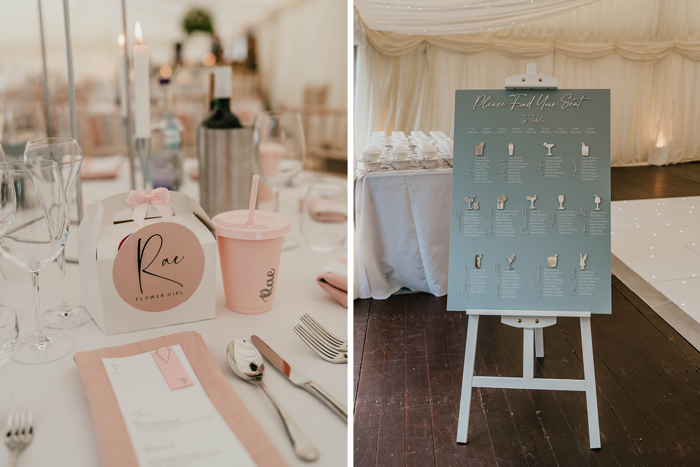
(402, 232)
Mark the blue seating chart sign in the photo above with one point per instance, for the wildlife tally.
(530, 226)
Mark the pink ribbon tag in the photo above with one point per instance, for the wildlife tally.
(171, 368)
(159, 198)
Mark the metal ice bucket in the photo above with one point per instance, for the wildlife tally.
(225, 171)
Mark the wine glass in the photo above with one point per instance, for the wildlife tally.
(67, 154)
(34, 238)
(325, 216)
(279, 151)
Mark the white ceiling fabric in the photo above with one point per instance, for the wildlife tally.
(441, 17)
(646, 51)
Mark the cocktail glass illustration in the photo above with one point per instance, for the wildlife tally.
(584, 149)
(549, 147)
(480, 149)
(532, 200)
(469, 202)
(597, 202)
(561, 202)
(552, 261)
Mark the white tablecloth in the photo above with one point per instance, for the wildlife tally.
(63, 429)
(402, 232)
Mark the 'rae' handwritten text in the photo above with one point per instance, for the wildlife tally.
(266, 293)
(140, 253)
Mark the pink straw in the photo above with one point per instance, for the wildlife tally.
(253, 199)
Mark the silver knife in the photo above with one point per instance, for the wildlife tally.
(299, 379)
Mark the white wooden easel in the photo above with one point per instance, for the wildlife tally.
(532, 324)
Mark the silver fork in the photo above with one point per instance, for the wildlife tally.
(20, 431)
(330, 339)
(323, 351)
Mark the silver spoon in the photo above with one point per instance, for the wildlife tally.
(245, 360)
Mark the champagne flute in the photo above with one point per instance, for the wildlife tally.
(67, 154)
(34, 238)
(279, 151)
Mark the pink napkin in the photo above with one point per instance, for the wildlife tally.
(112, 436)
(336, 286)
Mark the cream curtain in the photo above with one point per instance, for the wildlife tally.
(304, 44)
(646, 51)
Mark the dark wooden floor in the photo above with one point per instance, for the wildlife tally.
(409, 354)
(656, 182)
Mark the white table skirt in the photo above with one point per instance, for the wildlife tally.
(402, 232)
(63, 428)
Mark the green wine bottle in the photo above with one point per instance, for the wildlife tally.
(221, 117)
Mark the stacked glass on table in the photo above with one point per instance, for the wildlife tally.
(401, 152)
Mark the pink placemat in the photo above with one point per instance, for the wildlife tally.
(112, 436)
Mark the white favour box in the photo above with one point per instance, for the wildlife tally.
(161, 274)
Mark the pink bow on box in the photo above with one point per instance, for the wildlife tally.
(159, 198)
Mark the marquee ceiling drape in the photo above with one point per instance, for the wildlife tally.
(646, 51)
(459, 16)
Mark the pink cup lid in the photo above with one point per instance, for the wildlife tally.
(267, 225)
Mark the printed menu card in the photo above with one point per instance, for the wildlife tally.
(530, 223)
(170, 419)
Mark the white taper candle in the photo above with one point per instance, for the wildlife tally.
(123, 75)
(142, 91)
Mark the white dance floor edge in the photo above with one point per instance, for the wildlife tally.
(656, 253)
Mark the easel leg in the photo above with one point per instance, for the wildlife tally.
(539, 342)
(466, 399)
(589, 375)
(528, 353)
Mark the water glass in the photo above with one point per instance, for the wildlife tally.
(279, 152)
(67, 154)
(325, 216)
